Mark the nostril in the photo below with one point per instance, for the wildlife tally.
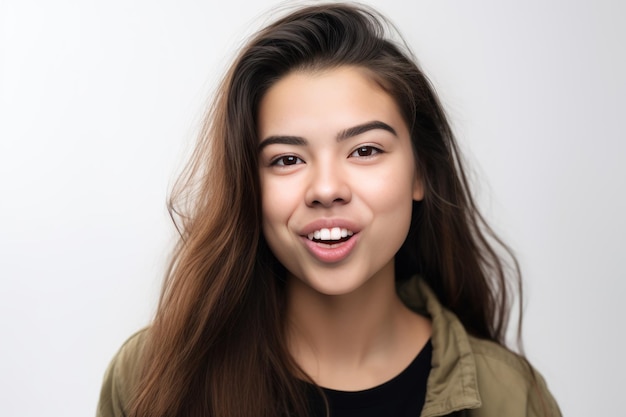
(327, 190)
(324, 203)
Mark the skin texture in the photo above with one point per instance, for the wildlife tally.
(348, 328)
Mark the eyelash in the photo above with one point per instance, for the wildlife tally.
(289, 160)
(371, 150)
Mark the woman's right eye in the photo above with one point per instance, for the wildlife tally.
(287, 160)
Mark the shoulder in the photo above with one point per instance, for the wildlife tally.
(121, 377)
(508, 384)
(474, 374)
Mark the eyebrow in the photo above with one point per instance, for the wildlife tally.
(365, 127)
(343, 135)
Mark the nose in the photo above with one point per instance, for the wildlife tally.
(328, 186)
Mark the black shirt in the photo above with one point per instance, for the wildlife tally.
(399, 397)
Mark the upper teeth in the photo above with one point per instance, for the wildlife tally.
(335, 233)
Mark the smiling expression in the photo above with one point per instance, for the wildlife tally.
(337, 177)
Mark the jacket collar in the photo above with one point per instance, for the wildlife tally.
(452, 383)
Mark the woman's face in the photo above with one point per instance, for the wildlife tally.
(337, 178)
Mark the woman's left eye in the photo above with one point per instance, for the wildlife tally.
(365, 151)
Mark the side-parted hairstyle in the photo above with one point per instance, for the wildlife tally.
(217, 345)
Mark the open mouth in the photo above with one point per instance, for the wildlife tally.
(331, 245)
(330, 236)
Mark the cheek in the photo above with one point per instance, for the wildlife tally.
(392, 189)
(276, 204)
(390, 198)
(268, 206)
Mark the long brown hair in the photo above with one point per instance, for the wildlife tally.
(216, 346)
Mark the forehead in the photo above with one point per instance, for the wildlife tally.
(328, 100)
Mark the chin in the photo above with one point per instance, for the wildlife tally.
(334, 283)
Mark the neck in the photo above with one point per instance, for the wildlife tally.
(353, 340)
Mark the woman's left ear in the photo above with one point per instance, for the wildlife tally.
(418, 187)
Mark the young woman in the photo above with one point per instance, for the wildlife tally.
(332, 260)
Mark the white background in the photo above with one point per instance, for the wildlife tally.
(99, 102)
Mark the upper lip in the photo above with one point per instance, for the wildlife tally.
(329, 224)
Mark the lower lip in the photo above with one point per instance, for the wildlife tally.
(330, 254)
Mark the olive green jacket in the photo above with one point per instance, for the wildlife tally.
(469, 376)
(474, 377)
